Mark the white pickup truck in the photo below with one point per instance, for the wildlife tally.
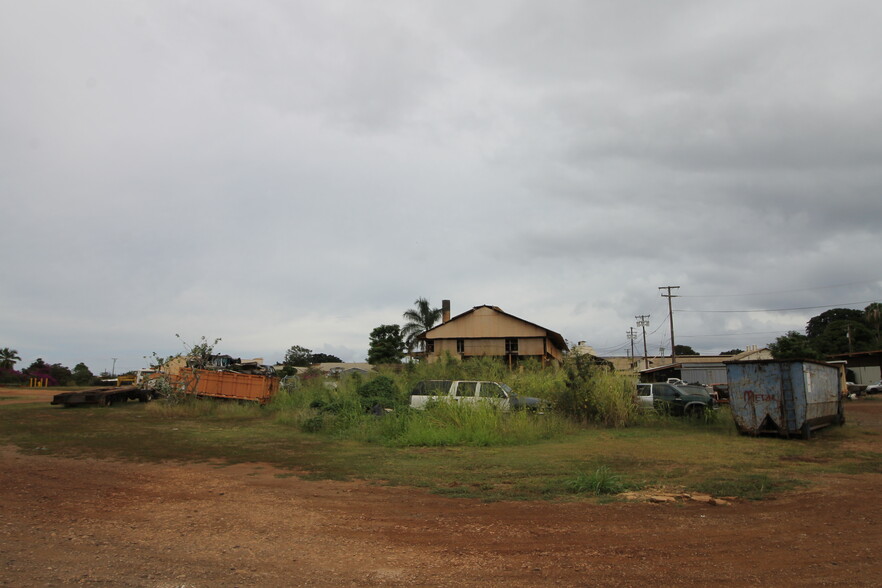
(472, 391)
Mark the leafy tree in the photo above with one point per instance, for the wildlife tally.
(324, 358)
(817, 324)
(298, 356)
(684, 350)
(793, 345)
(873, 316)
(386, 346)
(82, 375)
(8, 358)
(735, 351)
(420, 319)
(56, 374)
(843, 337)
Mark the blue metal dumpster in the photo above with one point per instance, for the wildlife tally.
(784, 397)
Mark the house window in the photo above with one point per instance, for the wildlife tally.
(511, 346)
(460, 345)
(430, 346)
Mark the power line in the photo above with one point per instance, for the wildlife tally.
(781, 291)
(839, 304)
(733, 334)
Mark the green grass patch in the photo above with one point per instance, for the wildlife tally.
(751, 486)
(599, 482)
(451, 450)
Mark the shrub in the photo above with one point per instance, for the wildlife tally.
(380, 391)
(594, 393)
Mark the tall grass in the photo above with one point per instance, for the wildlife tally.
(583, 392)
(375, 408)
(193, 406)
(594, 393)
(447, 423)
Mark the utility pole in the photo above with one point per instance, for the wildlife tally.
(671, 318)
(113, 369)
(642, 321)
(632, 335)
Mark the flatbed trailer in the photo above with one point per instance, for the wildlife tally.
(102, 396)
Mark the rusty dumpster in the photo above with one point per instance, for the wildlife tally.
(228, 384)
(784, 397)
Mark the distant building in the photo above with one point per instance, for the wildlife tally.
(488, 331)
(701, 369)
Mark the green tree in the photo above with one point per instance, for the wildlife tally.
(386, 346)
(419, 319)
(324, 358)
(793, 345)
(735, 351)
(57, 374)
(817, 324)
(82, 375)
(873, 316)
(298, 356)
(684, 350)
(8, 358)
(844, 337)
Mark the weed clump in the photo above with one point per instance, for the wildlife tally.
(594, 393)
(601, 481)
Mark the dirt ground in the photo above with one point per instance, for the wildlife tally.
(81, 521)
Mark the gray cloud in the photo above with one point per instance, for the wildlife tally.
(278, 174)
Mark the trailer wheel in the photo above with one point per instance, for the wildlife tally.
(144, 397)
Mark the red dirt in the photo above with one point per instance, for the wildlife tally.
(81, 521)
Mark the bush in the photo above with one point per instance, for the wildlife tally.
(594, 393)
(380, 391)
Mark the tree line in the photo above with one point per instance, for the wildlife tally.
(53, 374)
(833, 332)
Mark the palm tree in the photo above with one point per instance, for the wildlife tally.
(8, 357)
(420, 319)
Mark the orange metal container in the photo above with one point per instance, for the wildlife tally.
(218, 384)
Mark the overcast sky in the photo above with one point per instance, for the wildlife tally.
(281, 173)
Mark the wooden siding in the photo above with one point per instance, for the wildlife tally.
(486, 323)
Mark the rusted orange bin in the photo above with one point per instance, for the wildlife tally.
(233, 385)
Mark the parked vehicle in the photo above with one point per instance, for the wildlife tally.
(677, 399)
(874, 388)
(784, 397)
(472, 391)
(102, 396)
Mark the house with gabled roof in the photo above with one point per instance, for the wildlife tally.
(488, 331)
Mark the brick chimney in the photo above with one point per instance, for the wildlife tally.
(445, 311)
